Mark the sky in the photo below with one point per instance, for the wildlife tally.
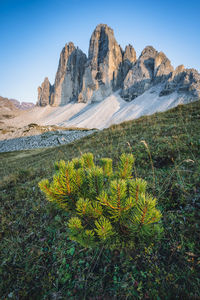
(33, 33)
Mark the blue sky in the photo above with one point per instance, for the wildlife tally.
(33, 33)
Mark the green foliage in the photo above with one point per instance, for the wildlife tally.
(38, 261)
(107, 208)
(106, 164)
(125, 166)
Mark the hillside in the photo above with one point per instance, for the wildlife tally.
(39, 262)
(11, 109)
(109, 86)
(12, 105)
(112, 110)
(7, 108)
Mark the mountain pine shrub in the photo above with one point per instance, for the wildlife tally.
(106, 207)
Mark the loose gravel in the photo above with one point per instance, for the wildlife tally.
(47, 139)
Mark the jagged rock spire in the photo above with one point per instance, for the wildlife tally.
(108, 68)
(102, 70)
(183, 81)
(68, 81)
(129, 59)
(152, 67)
(44, 93)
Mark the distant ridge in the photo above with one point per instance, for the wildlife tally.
(15, 104)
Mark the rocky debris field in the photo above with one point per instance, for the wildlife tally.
(47, 139)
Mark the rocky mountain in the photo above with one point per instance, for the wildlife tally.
(69, 76)
(68, 81)
(26, 105)
(109, 68)
(44, 93)
(9, 108)
(14, 104)
(22, 105)
(102, 70)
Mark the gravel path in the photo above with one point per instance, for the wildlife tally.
(47, 139)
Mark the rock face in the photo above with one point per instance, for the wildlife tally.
(102, 69)
(10, 108)
(151, 67)
(108, 68)
(22, 105)
(162, 68)
(26, 105)
(129, 58)
(183, 81)
(69, 76)
(44, 93)
(13, 104)
(140, 77)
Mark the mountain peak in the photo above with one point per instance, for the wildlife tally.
(69, 46)
(149, 50)
(108, 68)
(99, 27)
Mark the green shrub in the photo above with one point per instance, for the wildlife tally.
(106, 208)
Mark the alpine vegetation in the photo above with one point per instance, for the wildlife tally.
(107, 208)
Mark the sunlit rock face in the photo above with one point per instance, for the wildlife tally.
(129, 59)
(44, 93)
(102, 70)
(109, 68)
(69, 76)
(162, 68)
(185, 81)
(151, 67)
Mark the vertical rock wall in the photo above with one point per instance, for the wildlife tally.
(108, 68)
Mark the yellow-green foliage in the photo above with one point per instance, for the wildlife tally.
(106, 207)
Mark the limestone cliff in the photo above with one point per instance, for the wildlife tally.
(152, 67)
(109, 68)
(69, 76)
(162, 68)
(183, 81)
(129, 58)
(102, 68)
(44, 93)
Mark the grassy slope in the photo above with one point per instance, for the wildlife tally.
(39, 262)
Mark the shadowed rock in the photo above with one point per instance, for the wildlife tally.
(129, 58)
(162, 68)
(44, 93)
(140, 76)
(69, 76)
(183, 81)
(108, 68)
(151, 68)
(102, 69)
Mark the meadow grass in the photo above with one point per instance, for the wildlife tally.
(37, 259)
